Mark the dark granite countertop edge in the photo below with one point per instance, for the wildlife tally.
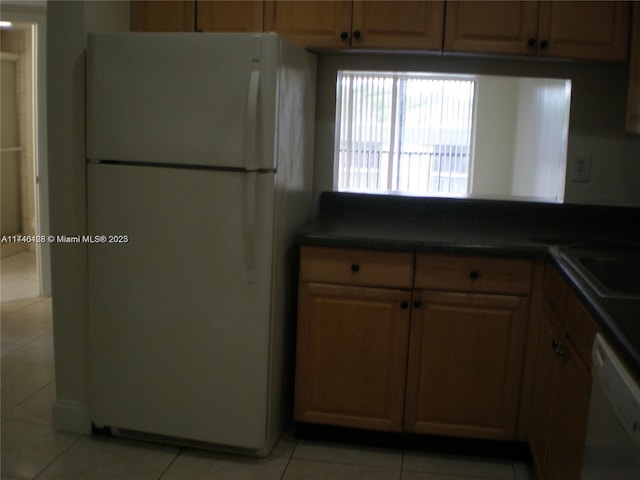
(613, 316)
(452, 247)
(606, 312)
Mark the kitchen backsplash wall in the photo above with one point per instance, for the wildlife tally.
(596, 128)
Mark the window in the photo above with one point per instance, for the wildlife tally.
(403, 133)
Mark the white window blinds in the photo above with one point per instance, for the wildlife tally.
(403, 132)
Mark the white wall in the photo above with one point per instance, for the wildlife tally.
(68, 25)
(596, 125)
(496, 107)
(615, 170)
(597, 129)
(540, 146)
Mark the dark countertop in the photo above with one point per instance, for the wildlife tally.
(491, 227)
(619, 318)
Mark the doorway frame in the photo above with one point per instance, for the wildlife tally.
(35, 13)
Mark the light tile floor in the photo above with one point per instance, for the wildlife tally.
(31, 449)
(19, 277)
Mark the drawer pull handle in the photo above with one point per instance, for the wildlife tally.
(355, 268)
(474, 274)
(558, 347)
(404, 304)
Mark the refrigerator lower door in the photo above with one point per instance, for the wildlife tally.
(179, 305)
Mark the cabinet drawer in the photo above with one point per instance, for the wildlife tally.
(356, 267)
(473, 274)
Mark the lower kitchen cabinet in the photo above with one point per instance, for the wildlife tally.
(351, 356)
(562, 385)
(378, 347)
(465, 364)
(437, 344)
(560, 405)
(352, 337)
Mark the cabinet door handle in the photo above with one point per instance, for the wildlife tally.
(531, 42)
(558, 347)
(344, 35)
(355, 268)
(544, 44)
(417, 304)
(357, 34)
(404, 304)
(474, 274)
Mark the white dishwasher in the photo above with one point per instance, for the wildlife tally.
(612, 449)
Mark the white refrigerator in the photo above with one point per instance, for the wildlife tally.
(199, 150)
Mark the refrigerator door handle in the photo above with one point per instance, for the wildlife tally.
(250, 226)
(250, 161)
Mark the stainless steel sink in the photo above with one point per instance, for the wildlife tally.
(611, 274)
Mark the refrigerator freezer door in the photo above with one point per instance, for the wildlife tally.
(202, 99)
(180, 308)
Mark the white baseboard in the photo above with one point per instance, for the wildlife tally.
(70, 416)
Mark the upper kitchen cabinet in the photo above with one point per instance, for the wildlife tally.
(200, 15)
(491, 27)
(584, 30)
(361, 24)
(633, 108)
(163, 16)
(314, 24)
(594, 30)
(225, 16)
(401, 25)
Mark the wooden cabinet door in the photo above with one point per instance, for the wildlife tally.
(491, 27)
(402, 25)
(633, 105)
(590, 30)
(465, 364)
(351, 356)
(226, 16)
(570, 417)
(163, 16)
(310, 24)
(560, 406)
(544, 391)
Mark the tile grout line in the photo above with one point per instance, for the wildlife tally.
(293, 451)
(72, 444)
(164, 472)
(27, 398)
